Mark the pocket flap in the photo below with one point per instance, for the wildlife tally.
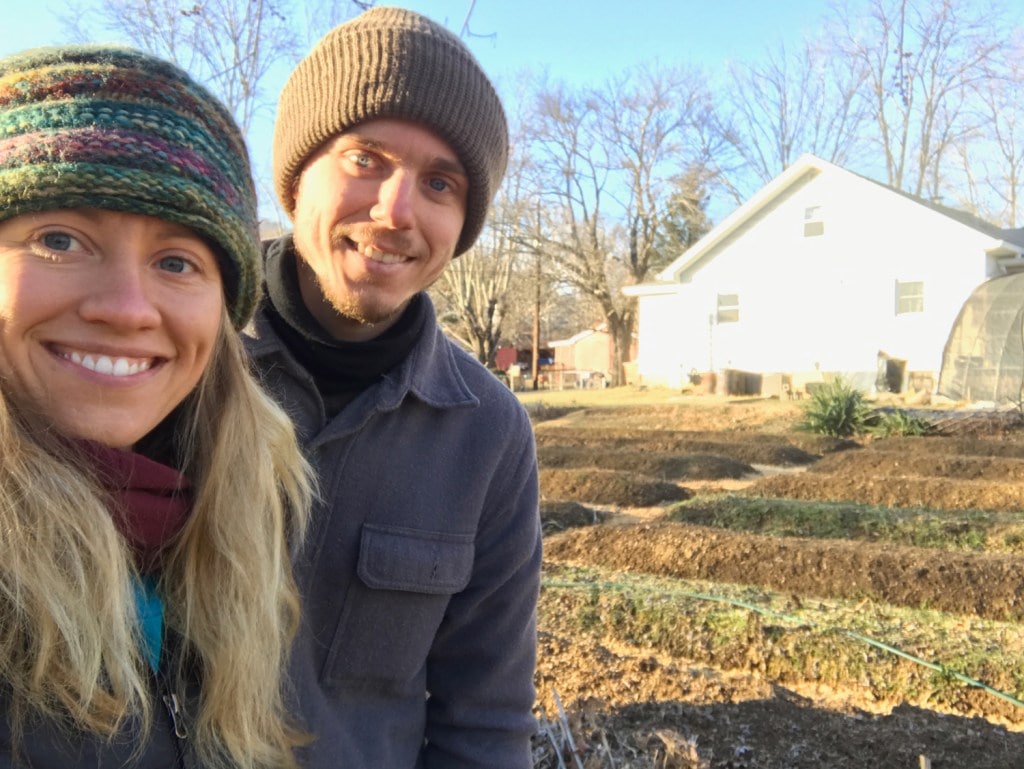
(395, 558)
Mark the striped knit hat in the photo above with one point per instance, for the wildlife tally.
(113, 128)
(394, 63)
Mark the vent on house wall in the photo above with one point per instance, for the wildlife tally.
(814, 224)
(728, 308)
(909, 296)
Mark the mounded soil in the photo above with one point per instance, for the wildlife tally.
(986, 585)
(646, 711)
(604, 486)
(623, 468)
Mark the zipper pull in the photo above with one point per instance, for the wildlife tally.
(174, 710)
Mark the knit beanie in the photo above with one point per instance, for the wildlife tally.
(394, 63)
(114, 128)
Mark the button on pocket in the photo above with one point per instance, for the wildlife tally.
(392, 612)
(421, 561)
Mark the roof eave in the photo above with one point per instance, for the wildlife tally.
(804, 165)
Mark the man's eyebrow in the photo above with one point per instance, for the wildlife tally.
(366, 141)
(446, 165)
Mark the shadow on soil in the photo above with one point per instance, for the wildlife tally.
(789, 731)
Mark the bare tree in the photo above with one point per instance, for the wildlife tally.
(923, 58)
(481, 288)
(230, 45)
(606, 159)
(647, 120)
(475, 286)
(786, 105)
(573, 172)
(475, 290)
(993, 159)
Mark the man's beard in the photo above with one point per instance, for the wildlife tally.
(352, 303)
(349, 306)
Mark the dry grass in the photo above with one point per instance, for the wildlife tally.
(578, 740)
(607, 397)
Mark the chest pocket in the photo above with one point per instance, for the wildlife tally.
(393, 610)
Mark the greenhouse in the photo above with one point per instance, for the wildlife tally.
(984, 357)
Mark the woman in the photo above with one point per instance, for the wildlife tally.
(149, 491)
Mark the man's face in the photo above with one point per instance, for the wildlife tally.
(378, 213)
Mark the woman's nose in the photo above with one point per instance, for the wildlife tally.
(120, 297)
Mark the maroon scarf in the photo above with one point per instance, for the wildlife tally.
(151, 501)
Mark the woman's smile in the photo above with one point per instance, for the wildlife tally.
(107, 319)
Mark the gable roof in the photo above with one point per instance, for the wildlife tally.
(807, 166)
(964, 217)
(576, 337)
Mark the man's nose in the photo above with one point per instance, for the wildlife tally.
(394, 206)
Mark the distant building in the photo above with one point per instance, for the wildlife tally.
(584, 359)
(522, 357)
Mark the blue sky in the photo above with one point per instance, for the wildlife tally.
(581, 41)
(576, 39)
(587, 40)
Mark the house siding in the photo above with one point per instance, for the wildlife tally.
(822, 303)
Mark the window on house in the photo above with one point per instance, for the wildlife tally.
(728, 308)
(909, 296)
(814, 224)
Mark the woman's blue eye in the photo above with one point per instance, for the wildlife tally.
(174, 264)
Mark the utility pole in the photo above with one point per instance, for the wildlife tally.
(535, 361)
(536, 323)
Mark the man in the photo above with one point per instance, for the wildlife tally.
(421, 573)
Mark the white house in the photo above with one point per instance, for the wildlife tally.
(818, 273)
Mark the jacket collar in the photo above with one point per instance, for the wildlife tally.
(430, 372)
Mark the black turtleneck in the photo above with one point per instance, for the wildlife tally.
(341, 370)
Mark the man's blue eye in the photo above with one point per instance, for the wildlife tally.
(438, 185)
(57, 241)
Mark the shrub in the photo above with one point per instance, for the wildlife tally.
(899, 422)
(837, 409)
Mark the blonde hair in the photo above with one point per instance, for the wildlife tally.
(69, 637)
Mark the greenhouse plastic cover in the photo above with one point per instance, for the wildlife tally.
(984, 356)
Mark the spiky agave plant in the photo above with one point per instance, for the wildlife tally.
(837, 409)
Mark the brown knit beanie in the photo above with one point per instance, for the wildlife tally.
(394, 63)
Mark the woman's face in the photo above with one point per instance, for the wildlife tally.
(107, 319)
